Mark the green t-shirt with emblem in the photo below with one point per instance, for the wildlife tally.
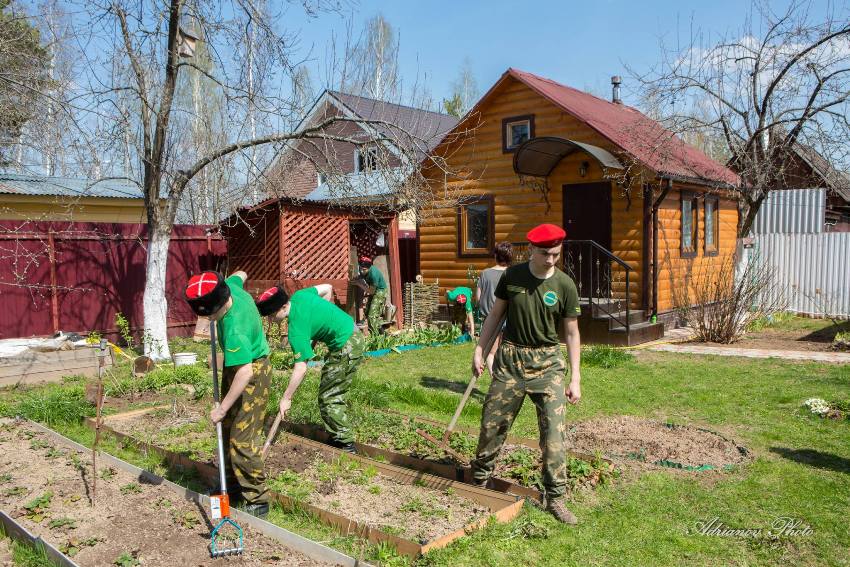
(312, 318)
(535, 306)
(462, 290)
(375, 278)
(240, 331)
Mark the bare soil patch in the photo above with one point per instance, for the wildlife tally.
(47, 487)
(6, 551)
(654, 442)
(797, 334)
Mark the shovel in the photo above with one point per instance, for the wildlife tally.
(220, 503)
(444, 442)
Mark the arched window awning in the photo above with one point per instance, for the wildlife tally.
(537, 157)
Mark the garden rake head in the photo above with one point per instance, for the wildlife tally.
(220, 503)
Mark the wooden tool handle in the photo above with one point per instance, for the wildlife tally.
(272, 433)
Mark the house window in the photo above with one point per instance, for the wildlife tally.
(365, 159)
(712, 229)
(515, 131)
(321, 178)
(690, 210)
(476, 227)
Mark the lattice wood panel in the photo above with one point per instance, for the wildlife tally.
(315, 245)
(255, 248)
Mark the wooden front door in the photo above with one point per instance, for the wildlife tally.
(587, 216)
(587, 212)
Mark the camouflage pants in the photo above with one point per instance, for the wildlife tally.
(375, 311)
(539, 373)
(337, 373)
(242, 429)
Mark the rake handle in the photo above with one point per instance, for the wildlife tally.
(222, 476)
(272, 433)
(471, 386)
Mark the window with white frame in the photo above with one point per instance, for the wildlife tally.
(690, 215)
(711, 226)
(516, 130)
(365, 159)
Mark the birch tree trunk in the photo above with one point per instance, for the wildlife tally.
(154, 303)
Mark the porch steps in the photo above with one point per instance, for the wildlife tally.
(603, 322)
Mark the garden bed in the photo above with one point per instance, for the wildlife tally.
(656, 443)
(379, 501)
(591, 444)
(47, 488)
(517, 471)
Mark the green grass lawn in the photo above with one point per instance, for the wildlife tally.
(800, 467)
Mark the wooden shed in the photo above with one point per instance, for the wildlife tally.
(644, 211)
(301, 243)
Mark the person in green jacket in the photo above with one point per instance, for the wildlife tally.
(378, 293)
(246, 379)
(460, 299)
(313, 317)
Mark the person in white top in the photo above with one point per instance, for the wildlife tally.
(484, 292)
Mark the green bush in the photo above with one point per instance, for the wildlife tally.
(53, 405)
(195, 375)
(604, 356)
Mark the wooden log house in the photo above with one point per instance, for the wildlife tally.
(645, 213)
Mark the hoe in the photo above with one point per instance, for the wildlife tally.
(220, 503)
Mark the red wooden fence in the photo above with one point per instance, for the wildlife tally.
(77, 276)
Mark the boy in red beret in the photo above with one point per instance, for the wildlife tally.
(246, 380)
(313, 317)
(541, 303)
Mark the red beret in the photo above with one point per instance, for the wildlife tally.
(546, 235)
(365, 261)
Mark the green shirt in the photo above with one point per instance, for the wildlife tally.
(375, 278)
(240, 331)
(453, 295)
(311, 318)
(535, 306)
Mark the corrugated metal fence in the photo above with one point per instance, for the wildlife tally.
(812, 270)
(791, 211)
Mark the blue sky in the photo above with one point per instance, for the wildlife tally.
(578, 43)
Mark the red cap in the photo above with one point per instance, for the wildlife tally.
(461, 299)
(546, 235)
(365, 260)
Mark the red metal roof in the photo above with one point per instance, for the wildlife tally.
(631, 130)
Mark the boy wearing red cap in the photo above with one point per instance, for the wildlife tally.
(460, 298)
(378, 293)
(312, 316)
(246, 378)
(541, 304)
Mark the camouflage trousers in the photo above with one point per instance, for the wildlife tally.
(337, 373)
(539, 373)
(242, 429)
(375, 311)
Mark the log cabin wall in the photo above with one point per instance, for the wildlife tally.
(677, 273)
(518, 208)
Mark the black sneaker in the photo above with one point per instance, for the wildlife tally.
(346, 447)
(258, 510)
